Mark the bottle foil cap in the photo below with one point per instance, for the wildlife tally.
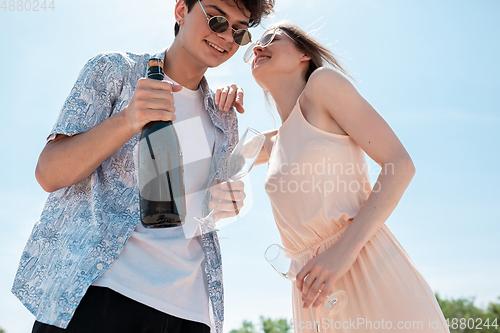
(155, 63)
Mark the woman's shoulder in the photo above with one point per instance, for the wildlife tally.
(324, 84)
(324, 79)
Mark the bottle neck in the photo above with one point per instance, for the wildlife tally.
(155, 73)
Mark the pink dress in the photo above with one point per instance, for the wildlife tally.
(317, 182)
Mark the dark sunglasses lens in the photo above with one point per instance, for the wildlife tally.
(267, 38)
(218, 24)
(242, 37)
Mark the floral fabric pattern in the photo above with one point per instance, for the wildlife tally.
(84, 227)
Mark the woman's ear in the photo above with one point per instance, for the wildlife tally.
(305, 57)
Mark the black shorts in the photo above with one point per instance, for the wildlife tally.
(103, 310)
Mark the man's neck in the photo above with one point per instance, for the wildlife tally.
(181, 67)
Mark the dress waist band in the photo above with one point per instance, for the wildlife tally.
(313, 249)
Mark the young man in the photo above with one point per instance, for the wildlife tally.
(89, 266)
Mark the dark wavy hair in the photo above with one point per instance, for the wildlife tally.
(257, 8)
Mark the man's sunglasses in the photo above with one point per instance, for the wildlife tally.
(220, 24)
(266, 39)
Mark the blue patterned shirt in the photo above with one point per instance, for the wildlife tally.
(84, 227)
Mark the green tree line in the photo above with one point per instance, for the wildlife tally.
(464, 317)
(461, 315)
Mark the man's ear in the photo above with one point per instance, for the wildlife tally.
(180, 11)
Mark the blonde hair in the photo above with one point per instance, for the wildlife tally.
(320, 55)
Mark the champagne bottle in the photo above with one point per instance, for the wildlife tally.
(161, 172)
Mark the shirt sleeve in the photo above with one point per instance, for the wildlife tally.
(234, 136)
(92, 98)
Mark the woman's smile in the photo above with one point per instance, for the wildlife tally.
(259, 58)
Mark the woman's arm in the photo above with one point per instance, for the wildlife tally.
(335, 95)
(232, 95)
(265, 152)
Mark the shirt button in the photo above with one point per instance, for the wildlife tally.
(100, 266)
(121, 239)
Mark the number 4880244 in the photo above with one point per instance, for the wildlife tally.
(26, 5)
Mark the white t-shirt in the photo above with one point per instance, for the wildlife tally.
(164, 268)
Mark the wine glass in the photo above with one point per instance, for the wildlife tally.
(281, 260)
(239, 164)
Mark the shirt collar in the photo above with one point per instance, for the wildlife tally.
(216, 115)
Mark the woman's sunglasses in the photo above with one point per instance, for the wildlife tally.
(266, 39)
(220, 24)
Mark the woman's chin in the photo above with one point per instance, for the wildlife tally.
(260, 84)
(259, 77)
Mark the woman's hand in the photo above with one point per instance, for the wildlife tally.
(321, 272)
(230, 96)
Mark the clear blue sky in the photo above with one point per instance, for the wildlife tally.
(430, 68)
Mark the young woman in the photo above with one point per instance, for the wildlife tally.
(330, 218)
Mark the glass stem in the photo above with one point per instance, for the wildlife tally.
(315, 318)
(210, 215)
(232, 196)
